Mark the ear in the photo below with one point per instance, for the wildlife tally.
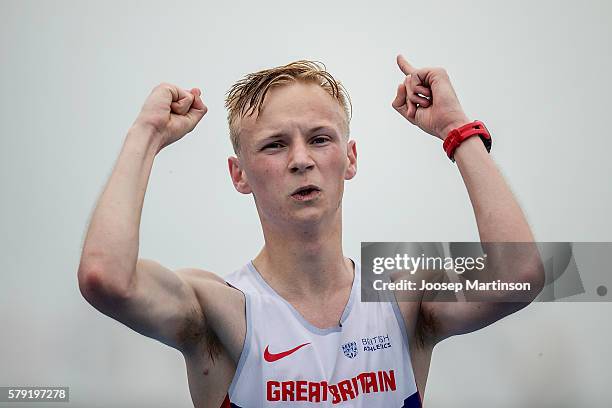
(351, 157)
(239, 178)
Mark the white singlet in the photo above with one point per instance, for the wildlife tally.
(286, 361)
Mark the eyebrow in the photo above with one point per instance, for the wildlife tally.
(315, 129)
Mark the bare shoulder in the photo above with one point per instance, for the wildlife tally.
(193, 275)
(409, 309)
(209, 287)
(421, 323)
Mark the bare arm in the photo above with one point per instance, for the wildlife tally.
(113, 236)
(426, 98)
(141, 294)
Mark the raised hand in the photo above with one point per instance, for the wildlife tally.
(427, 99)
(171, 112)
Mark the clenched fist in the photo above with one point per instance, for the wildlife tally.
(427, 99)
(171, 112)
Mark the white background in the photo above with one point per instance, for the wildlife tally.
(74, 75)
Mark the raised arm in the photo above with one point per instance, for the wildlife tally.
(142, 294)
(426, 99)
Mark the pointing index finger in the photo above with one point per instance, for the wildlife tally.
(404, 65)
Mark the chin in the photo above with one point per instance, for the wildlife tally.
(311, 216)
(308, 217)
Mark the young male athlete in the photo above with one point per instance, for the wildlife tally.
(289, 329)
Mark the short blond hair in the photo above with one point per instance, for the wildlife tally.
(249, 93)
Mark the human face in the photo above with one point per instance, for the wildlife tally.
(297, 140)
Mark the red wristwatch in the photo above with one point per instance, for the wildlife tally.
(457, 136)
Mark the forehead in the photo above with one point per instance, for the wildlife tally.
(294, 106)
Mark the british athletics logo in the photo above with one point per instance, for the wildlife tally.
(350, 349)
(376, 343)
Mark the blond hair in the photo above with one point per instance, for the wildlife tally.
(249, 93)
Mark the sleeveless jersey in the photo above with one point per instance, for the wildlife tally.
(288, 362)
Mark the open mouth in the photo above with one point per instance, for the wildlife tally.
(306, 193)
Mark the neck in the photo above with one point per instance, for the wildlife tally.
(306, 260)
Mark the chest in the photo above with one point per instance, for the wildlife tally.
(365, 360)
(319, 314)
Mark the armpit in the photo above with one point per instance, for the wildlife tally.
(196, 332)
(426, 327)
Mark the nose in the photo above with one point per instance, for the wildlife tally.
(300, 159)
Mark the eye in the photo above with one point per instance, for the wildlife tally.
(273, 145)
(320, 140)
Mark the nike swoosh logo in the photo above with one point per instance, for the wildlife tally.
(272, 357)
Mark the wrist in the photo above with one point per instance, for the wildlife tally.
(470, 148)
(145, 136)
(453, 125)
(466, 134)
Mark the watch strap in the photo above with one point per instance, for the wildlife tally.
(457, 136)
